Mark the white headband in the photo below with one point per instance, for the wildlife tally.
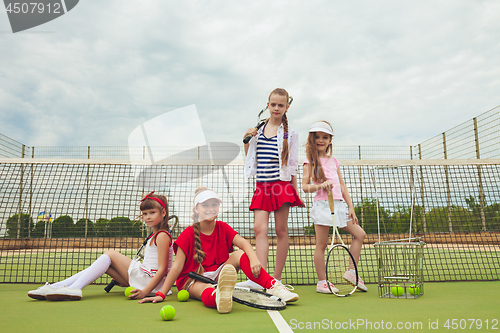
(321, 126)
(204, 196)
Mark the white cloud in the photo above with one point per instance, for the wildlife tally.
(389, 73)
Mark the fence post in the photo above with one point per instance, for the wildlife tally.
(31, 198)
(448, 194)
(422, 192)
(20, 208)
(412, 180)
(361, 189)
(87, 196)
(481, 193)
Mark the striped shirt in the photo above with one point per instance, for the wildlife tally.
(268, 166)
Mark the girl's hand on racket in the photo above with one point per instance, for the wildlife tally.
(251, 131)
(327, 186)
(156, 299)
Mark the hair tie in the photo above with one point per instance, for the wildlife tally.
(155, 199)
(285, 136)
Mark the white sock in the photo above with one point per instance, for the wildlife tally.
(352, 271)
(97, 269)
(322, 281)
(68, 281)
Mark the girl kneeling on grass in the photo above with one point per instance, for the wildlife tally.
(147, 278)
(324, 171)
(205, 248)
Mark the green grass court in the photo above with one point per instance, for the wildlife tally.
(466, 305)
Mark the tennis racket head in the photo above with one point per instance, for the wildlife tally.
(249, 297)
(338, 262)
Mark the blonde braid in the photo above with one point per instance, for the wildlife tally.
(284, 153)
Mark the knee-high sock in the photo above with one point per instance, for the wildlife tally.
(97, 269)
(208, 298)
(69, 281)
(264, 279)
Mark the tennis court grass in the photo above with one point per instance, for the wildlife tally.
(98, 311)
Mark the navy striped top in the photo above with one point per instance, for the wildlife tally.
(268, 167)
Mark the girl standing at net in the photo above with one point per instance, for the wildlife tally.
(324, 171)
(147, 277)
(272, 155)
(206, 248)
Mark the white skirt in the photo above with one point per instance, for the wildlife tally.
(139, 277)
(321, 215)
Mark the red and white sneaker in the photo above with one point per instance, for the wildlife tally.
(351, 278)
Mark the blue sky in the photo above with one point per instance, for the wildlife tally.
(383, 73)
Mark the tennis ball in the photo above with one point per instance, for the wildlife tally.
(128, 291)
(414, 290)
(183, 295)
(397, 291)
(167, 312)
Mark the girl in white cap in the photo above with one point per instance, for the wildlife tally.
(206, 248)
(272, 156)
(324, 171)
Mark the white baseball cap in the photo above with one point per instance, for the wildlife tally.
(205, 195)
(321, 126)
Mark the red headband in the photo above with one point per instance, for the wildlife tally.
(155, 199)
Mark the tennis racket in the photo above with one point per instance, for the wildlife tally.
(139, 254)
(246, 296)
(338, 262)
(261, 120)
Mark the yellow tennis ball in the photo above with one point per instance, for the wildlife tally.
(128, 291)
(167, 312)
(397, 291)
(183, 295)
(414, 290)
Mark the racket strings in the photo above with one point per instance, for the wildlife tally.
(257, 300)
(339, 262)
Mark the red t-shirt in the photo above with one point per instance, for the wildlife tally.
(216, 246)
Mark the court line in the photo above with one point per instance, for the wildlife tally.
(279, 321)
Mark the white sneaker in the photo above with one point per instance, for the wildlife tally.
(225, 286)
(41, 291)
(64, 293)
(250, 284)
(282, 291)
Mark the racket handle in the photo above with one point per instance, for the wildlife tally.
(110, 286)
(330, 202)
(247, 138)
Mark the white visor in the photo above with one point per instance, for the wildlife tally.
(321, 126)
(204, 196)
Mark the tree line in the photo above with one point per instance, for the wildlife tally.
(64, 227)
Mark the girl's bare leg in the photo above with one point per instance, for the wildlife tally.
(261, 229)
(281, 226)
(319, 252)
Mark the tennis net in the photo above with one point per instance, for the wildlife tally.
(57, 216)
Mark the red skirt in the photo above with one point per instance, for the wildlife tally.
(271, 196)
